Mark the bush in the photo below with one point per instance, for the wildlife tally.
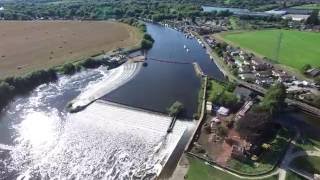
(13, 86)
(175, 109)
(146, 44)
(68, 68)
(148, 37)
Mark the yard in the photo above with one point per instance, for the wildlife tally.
(267, 160)
(32, 45)
(287, 47)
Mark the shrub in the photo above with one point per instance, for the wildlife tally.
(68, 68)
(175, 108)
(146, 44)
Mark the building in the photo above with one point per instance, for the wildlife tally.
(248, 77)
(223, 111)
(245, 69)
(264, 74)
(261, 67)
(277, 12)
(296, 17)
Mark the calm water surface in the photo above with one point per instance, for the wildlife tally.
(160, 84)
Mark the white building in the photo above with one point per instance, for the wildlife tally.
(296, 17)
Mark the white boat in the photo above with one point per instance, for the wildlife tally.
(184, 46)
(188, 49)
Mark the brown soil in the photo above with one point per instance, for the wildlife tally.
(31, 45)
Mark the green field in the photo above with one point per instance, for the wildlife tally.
(291, 48)
(198, 170)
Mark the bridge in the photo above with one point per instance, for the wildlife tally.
(303, 106)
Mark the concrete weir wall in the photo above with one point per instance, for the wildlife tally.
(111, 80)
(149, 126)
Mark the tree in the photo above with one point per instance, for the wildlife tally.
(273, 100)
(68, 69)
(146, 44)
(175, 109)
(148, 37)
(313, 19)
(306, 67)
(254, 125)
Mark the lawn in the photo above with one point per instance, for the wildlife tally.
(310, 164)
(198, 170)
(295, 50)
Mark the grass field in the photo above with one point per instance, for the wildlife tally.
(31, 45)
(198, 170)
(295, 50)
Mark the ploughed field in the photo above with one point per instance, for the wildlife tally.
(293, 48)
(31, 45)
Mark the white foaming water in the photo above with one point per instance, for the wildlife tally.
(112, 80)
(101, 142)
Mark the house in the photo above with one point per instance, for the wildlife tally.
(296, 17)
(265, 82)
(234, 53)
(245, 69)
(249, 77)
(264, 74)
(223, 111)
(314, 72)
(261, 67)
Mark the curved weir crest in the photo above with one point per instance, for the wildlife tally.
(110, 81)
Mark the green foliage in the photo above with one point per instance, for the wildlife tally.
(306, 67)
(221, 94)
(147, 41)
(273, 100)
(148, 37)
(146, 44)
(68, 68)
(175, 108)
(313, 19)
(13, 86)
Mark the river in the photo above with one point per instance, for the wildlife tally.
(39, 139)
